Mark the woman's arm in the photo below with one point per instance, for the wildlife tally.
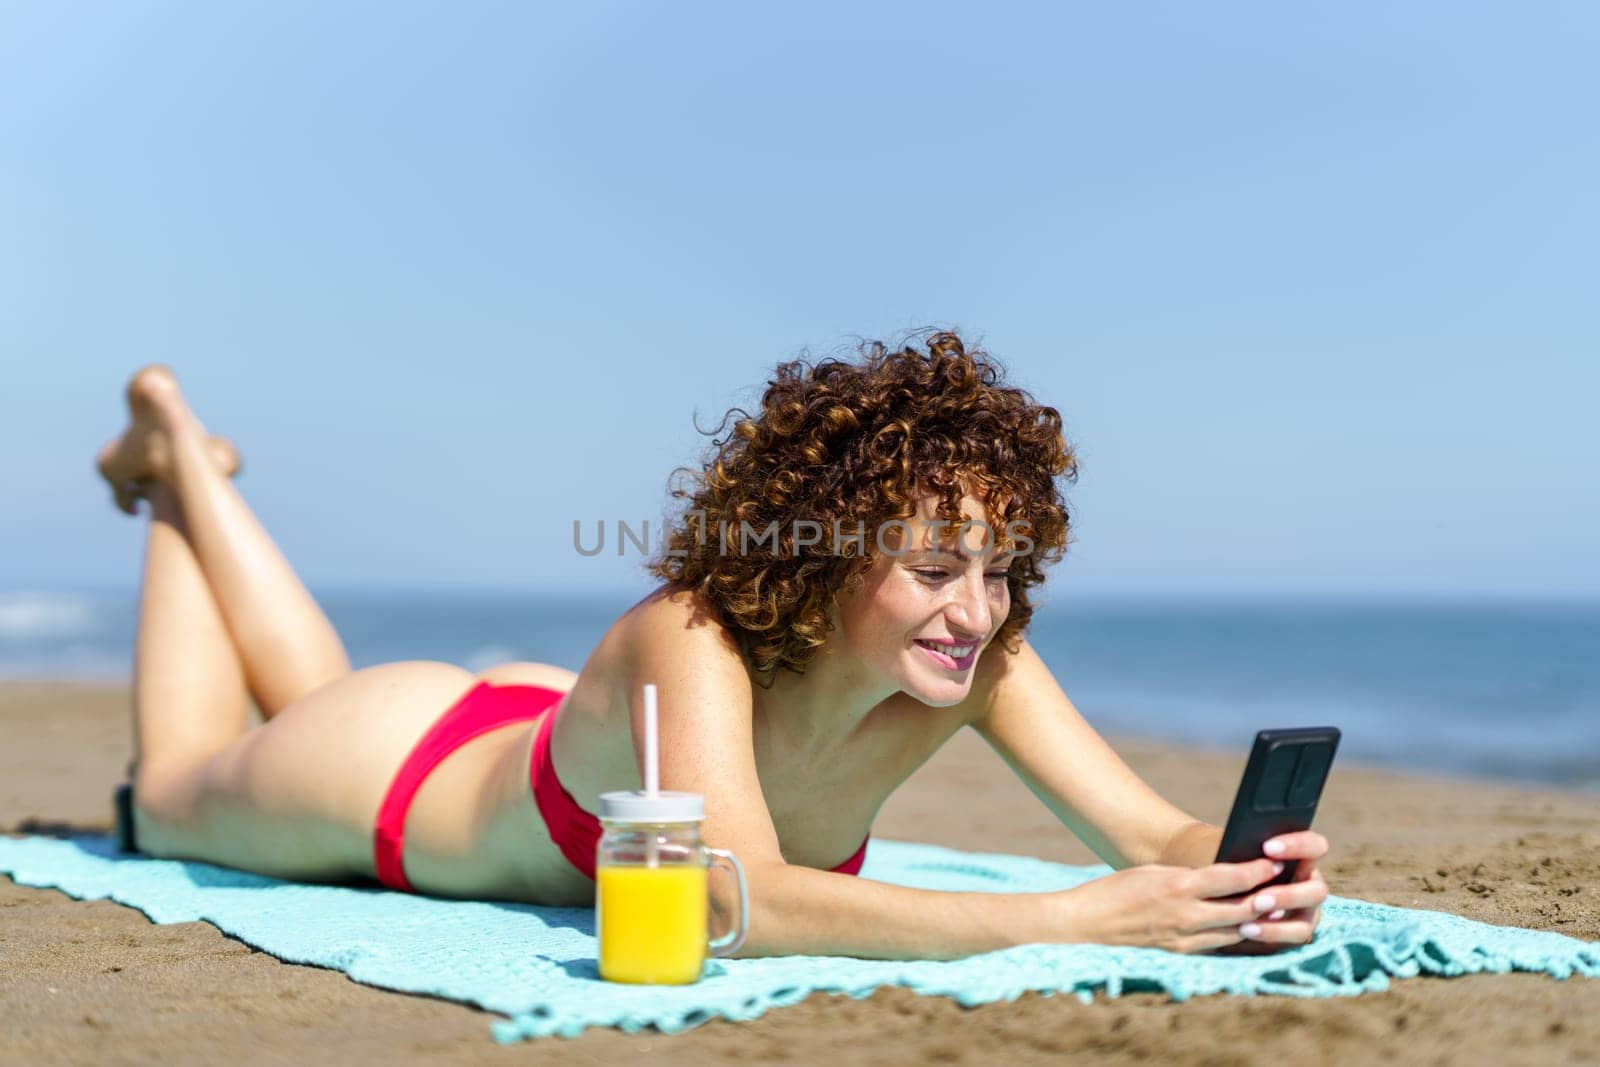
(706, 747)
(798, 910)
(1194, 845)
(1023, 714)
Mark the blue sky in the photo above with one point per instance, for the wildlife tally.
(1313, 288)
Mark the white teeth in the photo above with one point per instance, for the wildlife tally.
(953, 651)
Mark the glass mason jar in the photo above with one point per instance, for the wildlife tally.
(652, 909)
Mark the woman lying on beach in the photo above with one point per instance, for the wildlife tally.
(805, 671)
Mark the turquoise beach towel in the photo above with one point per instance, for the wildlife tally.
(537, 965)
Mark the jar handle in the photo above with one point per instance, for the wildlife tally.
(730, 943)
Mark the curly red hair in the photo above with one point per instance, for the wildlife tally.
(852, 445)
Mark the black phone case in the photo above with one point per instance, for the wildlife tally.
(1278, 793)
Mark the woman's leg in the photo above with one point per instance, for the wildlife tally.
(285, 643)
(297, 797)
(189, 696)
(294, 798)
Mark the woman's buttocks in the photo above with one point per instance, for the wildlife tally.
(314, 776)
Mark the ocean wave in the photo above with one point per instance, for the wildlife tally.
(481, 659)
(35, 615)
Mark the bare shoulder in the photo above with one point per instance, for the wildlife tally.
(681, 619)
(675, 634)
(670, 641)
(675, 641)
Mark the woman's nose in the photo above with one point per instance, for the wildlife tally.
(970, 609)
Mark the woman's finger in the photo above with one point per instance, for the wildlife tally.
(1231, 879)
(1300, 845)
(1227, 915)
(1295, 895)
(1306, 871)
(1313, 916)
(1211, 940)
(1307, 889)
(1285, 932)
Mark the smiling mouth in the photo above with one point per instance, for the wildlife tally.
(947, 655)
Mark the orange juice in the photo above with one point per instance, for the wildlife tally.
(652, 922)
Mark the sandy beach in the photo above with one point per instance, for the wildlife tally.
(97, 982)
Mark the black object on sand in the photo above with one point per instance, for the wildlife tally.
(122, 801)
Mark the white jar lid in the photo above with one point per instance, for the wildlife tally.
(633, 805)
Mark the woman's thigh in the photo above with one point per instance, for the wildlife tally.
(296, 797)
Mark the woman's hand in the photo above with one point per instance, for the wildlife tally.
(1297, 905)
(1181, 909)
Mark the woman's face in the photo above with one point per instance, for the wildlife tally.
(928, 607)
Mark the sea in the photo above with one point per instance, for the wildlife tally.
(1500, 689)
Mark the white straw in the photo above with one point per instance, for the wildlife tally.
(652, 773)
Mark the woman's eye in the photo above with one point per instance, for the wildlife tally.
(937, 573)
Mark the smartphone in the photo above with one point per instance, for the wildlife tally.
(1278, 793)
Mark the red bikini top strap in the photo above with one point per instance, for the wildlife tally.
(575, 831)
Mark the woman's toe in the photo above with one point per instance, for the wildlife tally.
(226, 455)
(105, 461)
(127, 498)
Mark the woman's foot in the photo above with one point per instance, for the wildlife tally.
(144, 451)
